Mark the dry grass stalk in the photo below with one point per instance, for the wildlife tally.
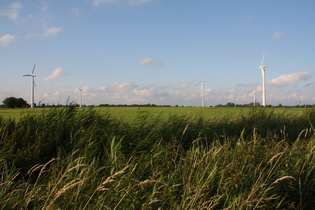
(77, 166)
(101, 186)
(68, 186)
(155, 200)
(146, 182)
(282, 178)
(184, 131)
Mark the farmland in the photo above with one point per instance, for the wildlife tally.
(157, 157)
(130, 113)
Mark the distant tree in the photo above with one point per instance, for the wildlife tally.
(12, 102)
(9, 102)
(20, 102)
(229, 104)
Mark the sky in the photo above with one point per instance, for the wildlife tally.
(158, 51)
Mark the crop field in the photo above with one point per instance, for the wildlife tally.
(131, 113)
(157, 158)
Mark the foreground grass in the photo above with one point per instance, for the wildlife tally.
(80, 159)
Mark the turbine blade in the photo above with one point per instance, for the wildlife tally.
(34, 84)
(26, 75)
(33, 68)
(263, 58)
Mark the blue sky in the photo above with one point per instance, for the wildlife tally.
(157, 51)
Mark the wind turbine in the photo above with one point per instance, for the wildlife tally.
(32, 85)
(202, 94)
(80, 96)
(262, 67)
(254, 100)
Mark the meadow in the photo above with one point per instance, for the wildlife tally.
(131, 113)
(157, 157)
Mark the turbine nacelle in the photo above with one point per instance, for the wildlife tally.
(263, 66)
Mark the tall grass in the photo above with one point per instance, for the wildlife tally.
(70, 158)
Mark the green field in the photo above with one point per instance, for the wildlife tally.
(157, 158)
(131, 113)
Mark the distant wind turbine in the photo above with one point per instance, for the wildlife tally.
(80, 96)
(262, 67)
(32, 85)
(202, 94)
(254, 100)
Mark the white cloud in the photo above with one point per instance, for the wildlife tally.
(248, 19)
(250, 84)
(12, 11)
(123, 87)
(5, 40)
(135, 2)
(183, 85)
(100, 2)
(150, 62)
(75, 11)
(103, 88)
(143, 92)
(54, 75)
(52, 31)
(44, 7)
(130, 2)
(288, 79)
(278, 35)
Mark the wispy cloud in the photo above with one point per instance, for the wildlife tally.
(150, 62)
(130, 2)
(250, 84)
(52, 31)
(44, 7)
(135, 2)
(248, 19)
(5, 40)
(75, 11)
(278, 35)
(12, 11)
(288, 79)
(54, 75)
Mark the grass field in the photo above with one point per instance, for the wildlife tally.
(131, 113)
(157, 158)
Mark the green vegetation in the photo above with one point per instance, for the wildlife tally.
(71, 158)
(129, 113)
(12, 102)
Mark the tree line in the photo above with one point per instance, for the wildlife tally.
(13, 102)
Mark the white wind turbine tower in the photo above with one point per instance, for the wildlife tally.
(32, 85)
(80, 96)
(262, 67)
(254, 100)
(202, 94)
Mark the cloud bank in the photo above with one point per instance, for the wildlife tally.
(288, 79)
(54, 75)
